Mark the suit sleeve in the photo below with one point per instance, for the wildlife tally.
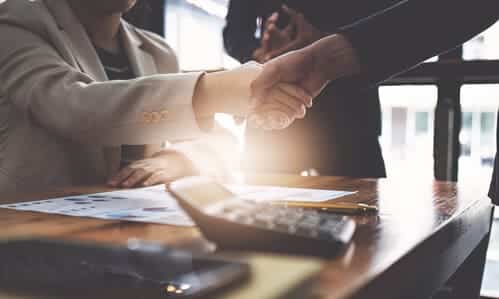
(339, 13)
(400, 37)
(239, 32)
(68, 103)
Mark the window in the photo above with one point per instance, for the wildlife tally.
(194, 29)
(465, 134)
(478, 139)
(487, 129)
(407, 138)
(484, 46)
(422, 123)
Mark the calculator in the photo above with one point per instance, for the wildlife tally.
(235, 223)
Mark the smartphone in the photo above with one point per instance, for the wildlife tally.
(62, 269)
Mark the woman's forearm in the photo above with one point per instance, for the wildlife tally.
(225, 92)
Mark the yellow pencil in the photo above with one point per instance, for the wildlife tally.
(345, 208)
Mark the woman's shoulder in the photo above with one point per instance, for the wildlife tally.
(30, 13)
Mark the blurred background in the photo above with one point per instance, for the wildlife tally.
(408, 108)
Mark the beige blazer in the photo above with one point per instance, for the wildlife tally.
(61, 121)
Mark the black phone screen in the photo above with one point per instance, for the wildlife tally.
(70, 270)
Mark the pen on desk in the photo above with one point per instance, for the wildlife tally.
(346, 208)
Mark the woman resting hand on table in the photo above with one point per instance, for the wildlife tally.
(162, 167)
(82, 89)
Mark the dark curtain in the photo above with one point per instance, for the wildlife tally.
(149, 15)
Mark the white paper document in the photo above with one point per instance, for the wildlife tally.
(152, 204)
(155, 205)
(269, 193)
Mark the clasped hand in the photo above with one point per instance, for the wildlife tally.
(278, 107)
(291, 79)
(300, 83)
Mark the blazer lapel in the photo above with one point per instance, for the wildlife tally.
(79, 41)
(142, 62)
(84, 53)
(89, 62)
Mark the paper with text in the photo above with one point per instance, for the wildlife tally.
(268, 193)
(155, 205)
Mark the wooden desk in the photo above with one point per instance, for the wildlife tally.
(426, 233)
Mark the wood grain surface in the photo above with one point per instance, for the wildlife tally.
(424, 232)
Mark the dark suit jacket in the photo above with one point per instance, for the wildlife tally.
(340, 134)
(414, 30)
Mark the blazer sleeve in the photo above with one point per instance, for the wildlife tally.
(70, 104)
(239, 32)
(400, 37)
(329, 16)
(353, 10)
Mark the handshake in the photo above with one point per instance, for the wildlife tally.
(274, 105)
(277, 107)
(265, 94)
(272, 108)
(278, 92)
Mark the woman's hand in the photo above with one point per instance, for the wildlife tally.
(163, 167)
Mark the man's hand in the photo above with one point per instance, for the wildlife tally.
(295, 72)
(163, 167)
(297, 69)
(308, 70)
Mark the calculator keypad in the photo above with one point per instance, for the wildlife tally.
(306, 223)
